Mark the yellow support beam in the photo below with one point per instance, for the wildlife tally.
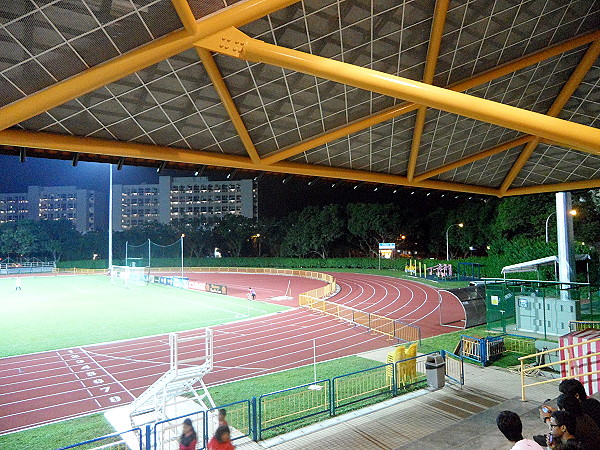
(587, 61)
(476, 157)
(374, 177)
(557, 187)
(397, 110)
(416, 142)
(61, 142)
(339, 132)
(435, 40)
(569, 134)
(135, 60)
(64, 142)
(185, 15)
(519, 164)
(228, 103)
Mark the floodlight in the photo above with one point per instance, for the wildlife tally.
(461, 224)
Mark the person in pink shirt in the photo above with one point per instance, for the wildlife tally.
(509, 423)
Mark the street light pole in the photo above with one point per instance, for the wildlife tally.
(182, 236)
(447, 238)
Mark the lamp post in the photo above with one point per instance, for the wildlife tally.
(460, 225)
(182, 236)
(573, 212)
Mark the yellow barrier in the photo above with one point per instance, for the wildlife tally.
(76, 271)
(593, 357)
(321, 292)
(392, 328)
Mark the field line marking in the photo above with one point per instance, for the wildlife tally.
(79, 379)
(108, 373)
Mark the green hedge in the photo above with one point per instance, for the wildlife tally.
(295, 263)
(492, 265)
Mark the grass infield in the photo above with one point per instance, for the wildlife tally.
(64, 311)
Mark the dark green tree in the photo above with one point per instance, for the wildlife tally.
(374, 223)
(233, 231)
(314, 231)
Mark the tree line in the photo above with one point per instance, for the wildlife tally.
(511, 227)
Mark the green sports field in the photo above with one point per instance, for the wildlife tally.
(64, 311)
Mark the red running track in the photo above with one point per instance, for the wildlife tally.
(45, 387)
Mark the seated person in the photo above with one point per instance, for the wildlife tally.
(562, 426)
(590, 406)
(587, 432)
(509, 423)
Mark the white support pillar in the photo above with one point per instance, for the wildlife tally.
(565, 238)
(110, 218)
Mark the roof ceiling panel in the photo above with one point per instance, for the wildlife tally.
(475, 38)
(490, 171)
(173, 102)
(584, 106)
(551, 164)
(535, 87)
(448, 137)
(59, 39)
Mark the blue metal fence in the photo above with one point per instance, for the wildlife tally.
(168, 430)
(112, 441)
(239, 416)
(365, 384)
(280, 408)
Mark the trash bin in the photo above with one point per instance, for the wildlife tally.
(435, 370)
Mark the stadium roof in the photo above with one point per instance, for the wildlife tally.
(489, 97)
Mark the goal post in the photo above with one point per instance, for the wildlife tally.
(126, 275)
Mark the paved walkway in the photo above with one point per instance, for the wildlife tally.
(428, 419)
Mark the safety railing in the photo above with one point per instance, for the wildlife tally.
(579, 325)
(322, 292)
(569, 364)
(130, 439)
(165, 433)
(392, 328)
(280, 411)
(77, 271)
(487, 349)
(280, 408)
(363, 385)
(455, 367)
(410, 373)
(240, 419)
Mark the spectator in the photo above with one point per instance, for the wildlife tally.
(509, 423)
(587, 431)
(222, 414)
(590, 406)
(221, 440)
(188, 438)
(562, 431)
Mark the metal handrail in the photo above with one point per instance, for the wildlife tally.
(567, 360)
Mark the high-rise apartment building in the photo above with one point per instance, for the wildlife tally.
(181, 198)
(50, 203)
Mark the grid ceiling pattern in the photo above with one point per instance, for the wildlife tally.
(552, 164)
(48, 41)
(174, 104)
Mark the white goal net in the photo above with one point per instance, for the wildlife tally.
(126, 275)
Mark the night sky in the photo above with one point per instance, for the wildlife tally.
(276, 197)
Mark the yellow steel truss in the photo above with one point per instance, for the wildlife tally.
(218, 33)
(435, 41)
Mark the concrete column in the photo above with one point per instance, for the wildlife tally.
(164, 199)
(565, 238)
